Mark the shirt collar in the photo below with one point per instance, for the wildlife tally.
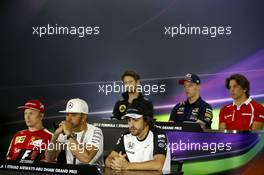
(197, 102)
(125, 95)
(245, 102)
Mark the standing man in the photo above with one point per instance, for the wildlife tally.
(36, 137)
(244, 113)
(143, 147)
(194, 108)
(82, 142)
(131, 80)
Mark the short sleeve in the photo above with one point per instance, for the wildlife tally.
(10, 151)
(259, 113)
(160, 142)
(116, 113)
(62, 138)
(206, 115)
(120, 147)
(97, 138)
(173, 114)
(222, 115)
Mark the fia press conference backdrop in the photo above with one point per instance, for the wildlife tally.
(62, 49)
(57, 50)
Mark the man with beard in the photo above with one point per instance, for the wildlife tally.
(82, 142)
(143, 147)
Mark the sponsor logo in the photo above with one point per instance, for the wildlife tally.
(246, 114)
(130, 152)
(130, 145)
(145, 147)
(17, 150)
(181, 109)
(122, 108)
(36, 143)
(195, 110)
(161, 145)
(118, 141)
(209, 115)
(162, 141)
(161, 136)
(20, 139)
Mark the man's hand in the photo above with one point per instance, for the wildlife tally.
(120, 162)
(64, 127)
(59, 130)
(67, 127)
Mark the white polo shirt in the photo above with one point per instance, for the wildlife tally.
(145, 150)
(93, 136)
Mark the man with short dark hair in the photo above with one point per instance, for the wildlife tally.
(245, 113)
(143, 147)
(194, 108)
(131, 80)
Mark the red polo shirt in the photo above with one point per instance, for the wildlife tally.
(241, 117)
(26, 139)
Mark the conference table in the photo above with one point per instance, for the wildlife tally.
(193, 151)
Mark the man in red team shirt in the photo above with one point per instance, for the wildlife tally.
(36, 137)
(245, 113)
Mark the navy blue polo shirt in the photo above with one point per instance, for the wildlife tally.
(191, 112)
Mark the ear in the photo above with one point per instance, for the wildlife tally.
(41, 116)
(199, 86)
(84, 117)
(145, 123)
(138, 82)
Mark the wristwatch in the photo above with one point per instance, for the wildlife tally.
(72, 135)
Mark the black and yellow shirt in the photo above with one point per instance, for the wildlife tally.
(122, 105)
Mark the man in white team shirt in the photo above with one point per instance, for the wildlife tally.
(143, 147)
(82, 142)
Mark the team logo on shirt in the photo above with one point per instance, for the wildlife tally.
(35, 142)
(180, 110)
(208, 113)
(161, 145)
(20, 139)
(193, 117)
(122, 108)
(17, 150)
(207, 119)
(130, 145)
(161, 136)
(195, 110)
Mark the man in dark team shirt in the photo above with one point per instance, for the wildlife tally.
(194, 108)
(143, 147)
(131, 81)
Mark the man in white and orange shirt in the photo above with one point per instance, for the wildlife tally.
(244, 113)
(36, 137)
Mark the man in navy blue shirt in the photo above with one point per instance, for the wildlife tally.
(194, 109)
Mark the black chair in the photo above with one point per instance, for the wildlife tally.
(176, 167)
